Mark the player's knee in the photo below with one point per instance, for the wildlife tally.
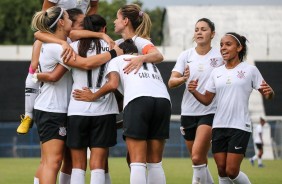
(198, 160)
(232, 172)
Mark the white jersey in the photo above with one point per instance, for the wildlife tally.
(142, 44)
(93, 79)
(233, 88)
(146, 82)
(258, 132)
(68, 4)
(200, 67)
(53, 96)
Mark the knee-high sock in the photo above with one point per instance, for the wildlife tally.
(242, 178)
(209, 176)
(224, 180)
(137, 173)
(64, 178)
(97, 176)
(31, 92)
(36, 180)
(77, 176)
(156, 173)
(199, 174)
(108, 178)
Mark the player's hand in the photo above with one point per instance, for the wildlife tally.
(266, 90)
(134, 63)
(192, 86)
(110, 42)
(83, 95)
(186, 73)
(68, 52)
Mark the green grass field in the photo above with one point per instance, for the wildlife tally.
(178, 171)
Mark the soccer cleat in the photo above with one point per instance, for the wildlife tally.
(26, 124)
(252, 161)
(260, 165)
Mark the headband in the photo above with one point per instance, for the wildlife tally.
(61, 13)
(235, 38)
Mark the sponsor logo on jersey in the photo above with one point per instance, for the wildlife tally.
(241, 74)
(214, 62)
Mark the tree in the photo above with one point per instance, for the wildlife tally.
(16, 16)
(15, 20)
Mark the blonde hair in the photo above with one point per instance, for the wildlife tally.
(46, 21)
(140, 20)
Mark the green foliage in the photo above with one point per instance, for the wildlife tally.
(16, 16)
(15, 20)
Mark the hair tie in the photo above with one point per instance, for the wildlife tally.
(46, 14)
(141, 14)
(61, 13)
(235, 38)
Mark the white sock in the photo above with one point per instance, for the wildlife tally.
(209, 177)
(31, 92)
(36, 180)
(97, 176)
(259, 161)
(199, 174)
(254, 157)
(224, 180)
(156, 173)
(64, 178)
(242, 178)
(108, 178)
(77, 176)
(137, 173)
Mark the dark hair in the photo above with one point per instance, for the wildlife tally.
(240, 40)
(73, 13)
(128, 47)
(209, 22)
(94, 23)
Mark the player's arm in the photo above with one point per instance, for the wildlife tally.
(47, 4)
(205, 99)
(266, 90)
(53, 76)
(78, 34)
(150, 55)
(95, 60)
(93, 7)
(177, 79)
(50, 38)
(86, 94)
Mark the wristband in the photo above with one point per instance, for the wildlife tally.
(34, 78)
(113, 53)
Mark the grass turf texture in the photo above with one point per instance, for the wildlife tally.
(177, 170)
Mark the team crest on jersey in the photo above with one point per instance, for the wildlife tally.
(214, 62)
(188, 61)
(62, 131)
(241, 74)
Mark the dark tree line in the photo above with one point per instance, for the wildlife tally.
(16, 15)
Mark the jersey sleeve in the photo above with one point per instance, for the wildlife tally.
(180, 63)
(210, 85)
(56, 54)
(113, 65)
(256, 78)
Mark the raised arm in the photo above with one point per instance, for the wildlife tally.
(177, 79)
(86, 94)
(205, 99)
(47, 4)
(93, 7)
(78, 34)
(153, 55)
(94, 61)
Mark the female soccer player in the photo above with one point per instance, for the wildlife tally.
(232, 85)
(196, 119)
